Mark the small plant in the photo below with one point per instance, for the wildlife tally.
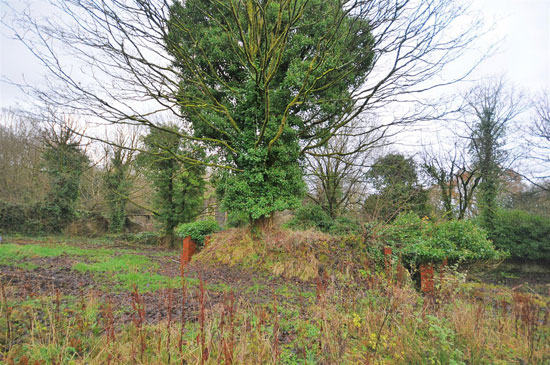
(198, 230)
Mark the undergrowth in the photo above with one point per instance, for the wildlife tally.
(356, 313)
(381, 322)
(286, 253)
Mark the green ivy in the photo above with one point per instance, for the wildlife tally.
(198, 230)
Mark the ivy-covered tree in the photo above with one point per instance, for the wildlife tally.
(258, 80)
(178, 182)
(491, 107)
(395, 181)
(64, 162)
(117, 189)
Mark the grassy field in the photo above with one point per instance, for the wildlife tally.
(98, 301)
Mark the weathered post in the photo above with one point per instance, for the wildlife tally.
(188, 250)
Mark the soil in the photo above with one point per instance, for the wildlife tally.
(54, 276)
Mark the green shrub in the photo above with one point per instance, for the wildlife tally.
(198, 230)
(313, 216)
(421, 240)
(343, 226)
(524, 235)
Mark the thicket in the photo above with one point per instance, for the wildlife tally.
(33, 218)
(421, 240)
(314, 216)
(524, 235)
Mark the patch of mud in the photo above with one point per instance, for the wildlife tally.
(54, 276)
(43, 280)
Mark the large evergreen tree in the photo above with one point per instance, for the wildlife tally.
(261, 80)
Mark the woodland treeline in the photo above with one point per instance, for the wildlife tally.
(247, 109)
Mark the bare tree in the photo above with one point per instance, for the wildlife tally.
(456, 179)
(539, 144)
(542, 122)
(335, 172)
(21, 179)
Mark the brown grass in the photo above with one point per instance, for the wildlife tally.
(286, 253)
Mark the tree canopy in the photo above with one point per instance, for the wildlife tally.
(395, 180)
(258, 79)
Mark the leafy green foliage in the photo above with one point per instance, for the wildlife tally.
(177, 179)
(314, 216)
(117, 189)
(420, 240)
(258, 78)
(198, 230)
(64, 163)
(524, 235)
(395, 179)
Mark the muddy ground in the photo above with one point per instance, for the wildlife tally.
(53, 276)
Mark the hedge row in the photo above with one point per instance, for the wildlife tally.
(524, 235)
(30, 219)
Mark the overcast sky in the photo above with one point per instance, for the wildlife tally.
(522, 26)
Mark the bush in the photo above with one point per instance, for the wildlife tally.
(313, 216)
(421, 240)
(198, 230)
(343, 226)
(12, 217)
(524, 235)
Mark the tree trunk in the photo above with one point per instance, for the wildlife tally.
(262, 224)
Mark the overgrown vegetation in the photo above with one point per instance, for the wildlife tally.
(524, 235)
(366, 316)
(420, 240)
(268, 127)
